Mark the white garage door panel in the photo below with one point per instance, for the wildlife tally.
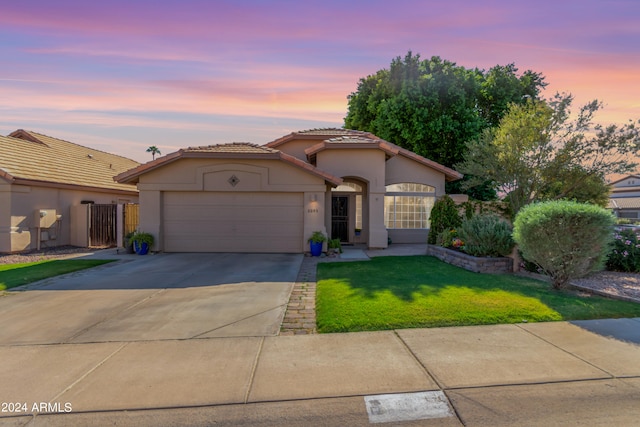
(233, 222)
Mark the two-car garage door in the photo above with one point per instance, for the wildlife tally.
(233, 222)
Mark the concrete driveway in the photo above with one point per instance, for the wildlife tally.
(154, 297)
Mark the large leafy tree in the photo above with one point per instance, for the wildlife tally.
(433, 107)
(538, 152)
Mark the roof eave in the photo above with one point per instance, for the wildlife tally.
(7, 176)
(131, 176)
(60, 185)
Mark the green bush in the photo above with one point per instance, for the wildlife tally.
(566, 239)
(625, 253)
(444, 216)
(486, 235)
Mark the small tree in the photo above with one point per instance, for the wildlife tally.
(538, 153)
(566, 239)
(444, 216)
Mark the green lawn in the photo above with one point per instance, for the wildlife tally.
(12, 275)
(421, 291)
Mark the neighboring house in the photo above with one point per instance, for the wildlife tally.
(42, 177)
(243, 197)
(625, 196)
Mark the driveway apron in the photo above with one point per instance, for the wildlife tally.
(164, 296)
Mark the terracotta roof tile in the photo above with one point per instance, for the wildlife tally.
(319, 134)
(31, 156)
(352, 139)
(235, 147)
(332, 132)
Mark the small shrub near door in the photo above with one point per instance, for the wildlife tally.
(566, 239)
(625, 252)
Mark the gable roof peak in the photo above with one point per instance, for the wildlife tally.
(26, 136)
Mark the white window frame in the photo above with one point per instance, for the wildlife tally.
(402, 215)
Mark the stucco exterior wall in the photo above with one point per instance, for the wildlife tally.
(296, 147)
(215, 175)
(21, 202)
(367, 165)
(210, 174)
(401, 169)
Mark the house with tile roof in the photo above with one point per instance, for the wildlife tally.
(41, 177)
(242, 197)
(624, 198)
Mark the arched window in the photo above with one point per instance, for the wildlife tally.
(407, 205)
(348, 187)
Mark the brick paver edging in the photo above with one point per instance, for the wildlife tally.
(300, 318)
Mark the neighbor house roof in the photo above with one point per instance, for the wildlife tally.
(236, 150)
(624, 203)
(31, 158)
(366, 141)
(614, 179)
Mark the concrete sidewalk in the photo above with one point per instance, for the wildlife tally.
(460, 362)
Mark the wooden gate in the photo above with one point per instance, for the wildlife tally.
(131, 218)
(102, 226)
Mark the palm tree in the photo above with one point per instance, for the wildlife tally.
(153, 150)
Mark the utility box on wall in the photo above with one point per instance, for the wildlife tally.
(44, 218)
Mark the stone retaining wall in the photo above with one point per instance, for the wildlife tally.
(471, 263)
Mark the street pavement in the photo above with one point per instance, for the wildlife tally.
(538, 374)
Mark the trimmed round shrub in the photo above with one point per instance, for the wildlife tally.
(566, 239)
(444, 216)
(486, 235)
(625, 251)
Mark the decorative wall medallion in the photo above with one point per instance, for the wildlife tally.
(234, 180)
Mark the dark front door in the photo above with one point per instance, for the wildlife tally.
(340, 218)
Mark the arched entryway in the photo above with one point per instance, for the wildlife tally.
(349, 212)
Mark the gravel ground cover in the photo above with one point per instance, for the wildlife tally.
(59, 252)
(612, 283)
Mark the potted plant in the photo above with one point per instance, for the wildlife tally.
(315, 243)
(358, 231)
(142, 242)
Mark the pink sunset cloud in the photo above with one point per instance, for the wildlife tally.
(202, 67)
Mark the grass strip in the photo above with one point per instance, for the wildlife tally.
(12, 275)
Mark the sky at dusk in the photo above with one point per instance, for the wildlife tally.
(120, 76)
